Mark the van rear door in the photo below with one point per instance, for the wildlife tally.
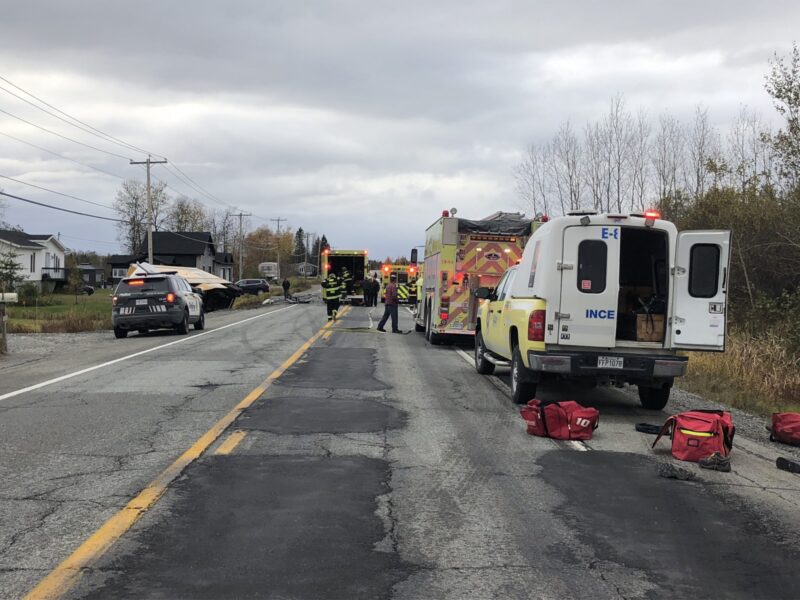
(589, 286)
(699, 307)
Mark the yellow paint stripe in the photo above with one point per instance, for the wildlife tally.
(59, 581)
(327, 335)
(229, 444)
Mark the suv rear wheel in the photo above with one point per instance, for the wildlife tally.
(521, 390)
(120, 333)
(482, 366)
(183, 326)
(201, 322)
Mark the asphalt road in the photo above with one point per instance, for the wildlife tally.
(369, 466)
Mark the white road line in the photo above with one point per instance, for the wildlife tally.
(134, 355)
(503, 387)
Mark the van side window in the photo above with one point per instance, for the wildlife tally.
(534, 263)
(592, 263)
(704, 270)
(506, 285)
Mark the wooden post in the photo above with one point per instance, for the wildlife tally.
(3, 344)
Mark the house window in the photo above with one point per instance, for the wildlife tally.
(119, 272)
(592, 261)
(33, 262)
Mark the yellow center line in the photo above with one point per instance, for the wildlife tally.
(230, 443)
(59, 581)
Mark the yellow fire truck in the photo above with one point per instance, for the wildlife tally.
(462, 255)
(405, 274)
(356, 262)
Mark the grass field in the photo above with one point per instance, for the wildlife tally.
(61, 313)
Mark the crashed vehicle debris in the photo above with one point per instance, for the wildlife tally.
(218, 293)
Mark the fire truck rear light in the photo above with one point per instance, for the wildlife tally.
(443, 316)
(536, 325)
(170, 298)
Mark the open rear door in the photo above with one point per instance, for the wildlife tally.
(700, 301)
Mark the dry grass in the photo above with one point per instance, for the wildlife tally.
(249, 301)
(69, 322)
(754, 373)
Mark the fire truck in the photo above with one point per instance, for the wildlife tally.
(357, 264)
(462, 255)
(405, 274)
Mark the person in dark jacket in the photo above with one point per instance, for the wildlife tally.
(391, 305)
(286, 285)
(376, 290)
(367, 287)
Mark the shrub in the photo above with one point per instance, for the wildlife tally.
(28, 293)
(249, 301)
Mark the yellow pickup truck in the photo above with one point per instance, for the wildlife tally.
(606, 299)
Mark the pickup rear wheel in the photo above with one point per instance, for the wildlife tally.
(521, 390)
(654, 398)
(482, 366)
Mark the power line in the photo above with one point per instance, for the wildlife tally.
(44, 189)
(94, 131)
(72, 237)
(77, 162)
(50, 131)
(74, 212)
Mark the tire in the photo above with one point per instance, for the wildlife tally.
(418, 328)
(201, 321)
(183, 326)
(120, 333)
(654, 398)
(433, 338)
(482, 366)
(521, 390)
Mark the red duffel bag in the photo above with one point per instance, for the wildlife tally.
(698, 434)
(785, 428)
(565, 420)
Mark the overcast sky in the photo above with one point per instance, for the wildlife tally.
(360, 120)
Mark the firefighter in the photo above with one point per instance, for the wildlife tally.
(412, 291)
(331, 293)
(347, 283)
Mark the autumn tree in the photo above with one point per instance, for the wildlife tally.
(186, 214)
(783, 85)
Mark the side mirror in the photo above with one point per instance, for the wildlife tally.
(483, 293)
(197, 290)
(413, 256)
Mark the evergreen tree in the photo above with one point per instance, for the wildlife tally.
(10, 270)
(299, 245)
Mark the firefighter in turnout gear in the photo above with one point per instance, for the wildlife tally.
(347, 283)
(331, 293)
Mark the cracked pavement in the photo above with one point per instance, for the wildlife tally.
(379, 466)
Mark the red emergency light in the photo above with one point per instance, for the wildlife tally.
(326, 251)
(652, 214)
(136, 282)
(412, 270)
(328, 266)
(386, 268)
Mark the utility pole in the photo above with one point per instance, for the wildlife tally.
(305, 258)
(278, 241)
(241, 215)
(150, 211)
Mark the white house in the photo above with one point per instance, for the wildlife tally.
(41, 256)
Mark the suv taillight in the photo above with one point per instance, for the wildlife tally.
(170, 298)
(536, 326)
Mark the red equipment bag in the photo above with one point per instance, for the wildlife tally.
(785, 428)
(698, 434)
(566, 420)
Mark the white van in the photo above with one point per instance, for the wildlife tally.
(607, 299)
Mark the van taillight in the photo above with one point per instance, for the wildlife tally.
(536, 326)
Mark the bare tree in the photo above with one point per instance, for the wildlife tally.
(566, 165)
(639, 160)
(667, 155)
(131, 205)
(186, 214)
(702, 145)
(529, 179)
(618, 126)
(596, 166)
(223, 228)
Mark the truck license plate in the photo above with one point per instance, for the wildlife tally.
(142, 302)
(610, 362)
